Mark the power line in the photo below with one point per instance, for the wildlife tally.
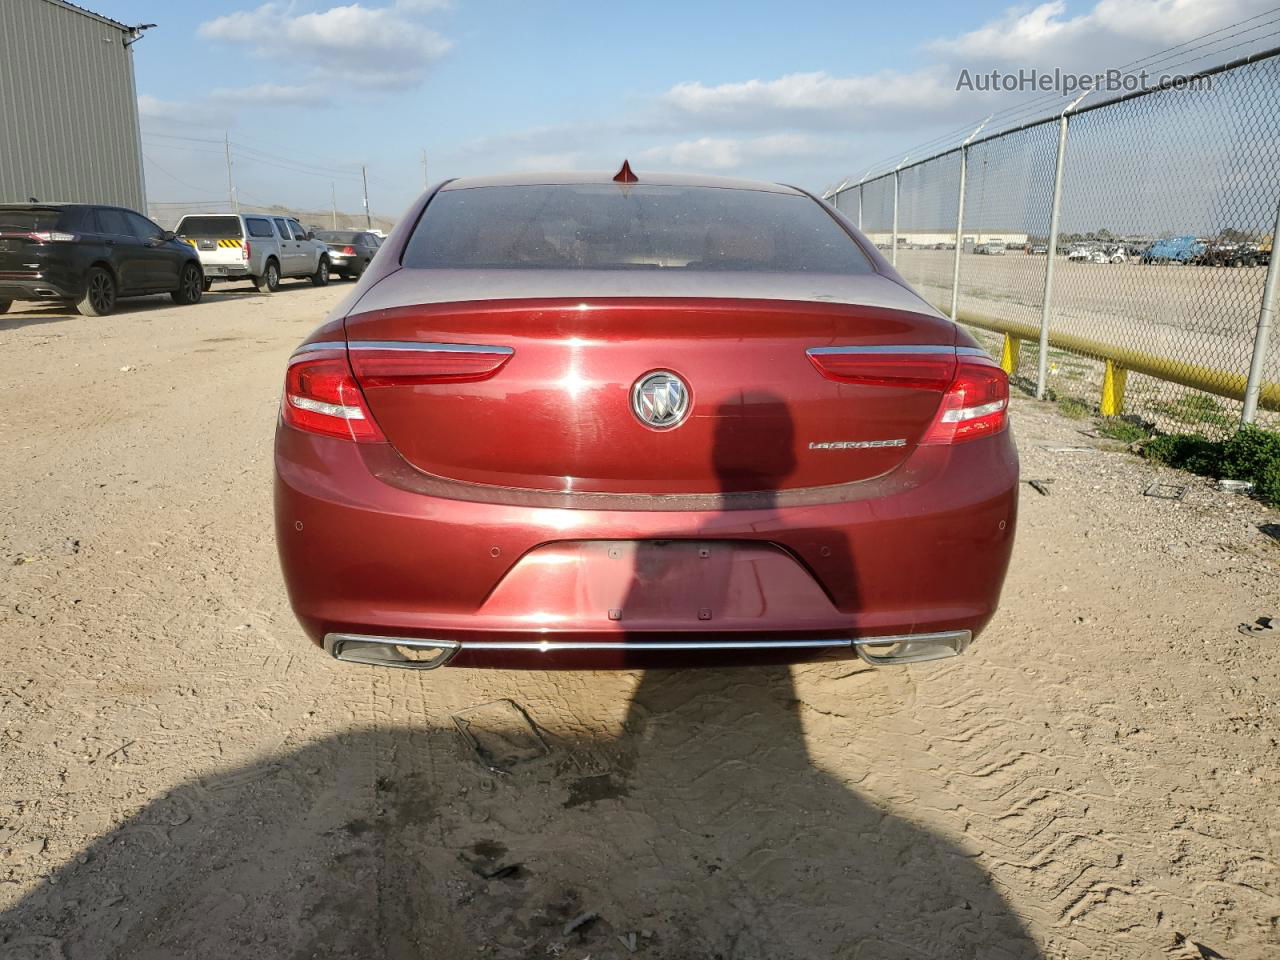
(290, 161)
(170, 174)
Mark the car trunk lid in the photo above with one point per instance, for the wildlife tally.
(542, 394)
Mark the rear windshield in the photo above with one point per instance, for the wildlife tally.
(610, 227)
(209, 227)
(28, 221)
(338, 236)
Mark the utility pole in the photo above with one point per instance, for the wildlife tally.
(231, 187)
(425, 182)
(368, 220)
(333, 189)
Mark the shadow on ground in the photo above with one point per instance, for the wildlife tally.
(33, 313)
(702, 828)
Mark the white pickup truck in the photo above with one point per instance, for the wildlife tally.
(255, 246)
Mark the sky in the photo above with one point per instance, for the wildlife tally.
(807, 93)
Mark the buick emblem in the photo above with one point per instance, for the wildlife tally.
(660, 400)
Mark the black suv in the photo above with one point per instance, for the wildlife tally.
(91, 256)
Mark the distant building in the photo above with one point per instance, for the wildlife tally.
(917, 238)
(68, 106)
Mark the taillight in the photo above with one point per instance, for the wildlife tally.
(925, 368)
(410, 364)
(53, 236)
(349, 250)
(246, 249)
(975, 405)
(321, 396)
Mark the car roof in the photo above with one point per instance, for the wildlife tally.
(643, 179)
(46, 205)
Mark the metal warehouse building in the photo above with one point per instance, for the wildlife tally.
(68, 106)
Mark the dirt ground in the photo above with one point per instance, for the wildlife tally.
(182, 775)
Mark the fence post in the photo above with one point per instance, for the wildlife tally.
(893, 250)
(859, 206)
(1042, 365)
(1266, 315)
(955, 266)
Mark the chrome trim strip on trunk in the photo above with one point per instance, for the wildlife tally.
(405, 345)
(903, 348)
(321, 345)
(413, 345)
(380, 651)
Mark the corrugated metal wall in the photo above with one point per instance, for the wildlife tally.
(68, 110)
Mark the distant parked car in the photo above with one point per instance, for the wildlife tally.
(990, 249)
(1081, 254)
(1174, 250)
(1038, 249)
(257, 247)
(91, 256)
(349, 251)
(1111, 256)
(1226, 254)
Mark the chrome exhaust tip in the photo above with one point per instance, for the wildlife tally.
(913, 648)
(404, 652)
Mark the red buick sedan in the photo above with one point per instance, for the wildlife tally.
(582, 421)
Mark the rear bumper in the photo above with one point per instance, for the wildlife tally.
(39, 287)
(419, 654)
(225, 271)
(505, 585)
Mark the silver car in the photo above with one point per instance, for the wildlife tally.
(257, 247)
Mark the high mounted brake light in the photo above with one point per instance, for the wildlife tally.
(321, 396)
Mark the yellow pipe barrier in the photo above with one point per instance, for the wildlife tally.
(1009, 354)
(1218, 382)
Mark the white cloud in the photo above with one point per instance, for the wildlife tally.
(381, 47)
(566, 160)
(153, 108)
(1109, 33)
(809, 99)
(422, 6)
(179, 116)
(1112, 32)
(285, 94)
(730, 153)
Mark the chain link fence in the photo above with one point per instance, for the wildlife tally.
(1151, 303)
